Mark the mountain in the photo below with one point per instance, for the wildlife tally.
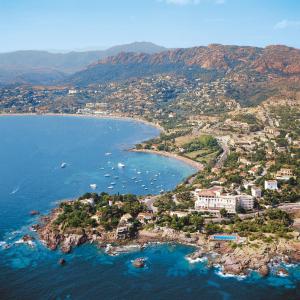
(20, 66)
(252, 73)
(235, 60)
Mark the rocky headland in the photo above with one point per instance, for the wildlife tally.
(234, 258)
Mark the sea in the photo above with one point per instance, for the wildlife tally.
(32, 151)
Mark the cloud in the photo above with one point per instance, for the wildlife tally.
(193, 2)
(283, 24)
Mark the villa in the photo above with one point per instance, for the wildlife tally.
(271, 185)
(284, 174)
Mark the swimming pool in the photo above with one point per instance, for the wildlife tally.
(224, 237)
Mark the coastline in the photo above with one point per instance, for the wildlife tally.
(113, 117)
(198, 166)
(237, 261)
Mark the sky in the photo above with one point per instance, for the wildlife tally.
(65, 25)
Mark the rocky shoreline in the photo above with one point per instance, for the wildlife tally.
(237, 260)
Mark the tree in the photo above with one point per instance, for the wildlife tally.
(223, 212)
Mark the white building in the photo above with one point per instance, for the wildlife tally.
(72, 92)
(256, 191)
(212, 200)
(89, 201)
(245, 201)
(271, 185)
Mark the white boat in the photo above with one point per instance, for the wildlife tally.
(93, 186)
(112, 183)
(63, 165)
(121, 165)
(106, 175)
(138, 172)
(110, 187)
(107, 153)
(101, 168)
(113, 168)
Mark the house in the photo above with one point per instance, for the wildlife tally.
(247, 184)
(145, 217)
(89, 201)
(254, 170)
(271, 185)
(125, 219)
(284, 174)
(72, 92)
(256, 191)
(244, 161)
(123, 230)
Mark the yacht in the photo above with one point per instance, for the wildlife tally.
(63, 165)
(106, 175)
(93, 186)
(121, 165)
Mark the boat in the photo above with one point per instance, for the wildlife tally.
(93, 186)
(121, 165)
(133, 178)
(113, 168)
(139, 172)
(110, 187)
(112, 183)
(101, 168)
(63, 165)
(107, 153)
(139, 262)
(116, 177)
(106, 175)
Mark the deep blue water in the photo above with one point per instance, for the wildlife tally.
(31, 152)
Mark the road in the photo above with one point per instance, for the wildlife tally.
(223, 142)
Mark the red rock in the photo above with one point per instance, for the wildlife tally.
(34, 212)
(62, 261)
(264, 270)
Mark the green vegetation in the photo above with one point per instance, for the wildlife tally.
(191, 223)
(203, 142)
(204, 149)
(106, 211)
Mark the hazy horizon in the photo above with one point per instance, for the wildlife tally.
(87, 49)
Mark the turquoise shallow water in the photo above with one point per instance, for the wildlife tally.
(32, 149)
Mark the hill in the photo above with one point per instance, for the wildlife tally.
(22, 66)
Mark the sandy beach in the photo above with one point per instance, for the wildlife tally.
(198, 166)
(114, 117)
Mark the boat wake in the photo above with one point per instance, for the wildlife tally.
(15, 190)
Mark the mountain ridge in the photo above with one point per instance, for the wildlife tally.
(250, 63)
